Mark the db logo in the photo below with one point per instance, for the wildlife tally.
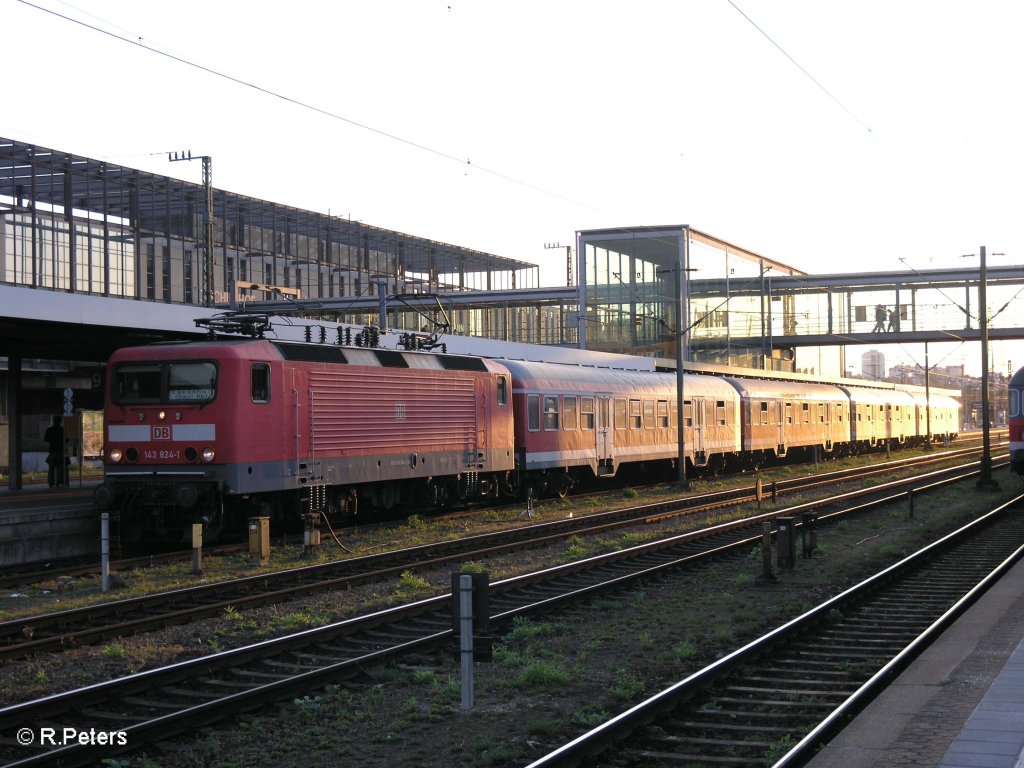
(161, 433)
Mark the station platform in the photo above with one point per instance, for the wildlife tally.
(39, 523)
(959, 705)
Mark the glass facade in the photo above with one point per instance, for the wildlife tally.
(632, 295)
(69, 223)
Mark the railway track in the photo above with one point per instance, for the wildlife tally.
(35, 573)
(32, 573)
(101, 622)
(778, 699)
(158, 704)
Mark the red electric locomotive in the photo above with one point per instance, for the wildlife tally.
(1015, 415)
(218, 431)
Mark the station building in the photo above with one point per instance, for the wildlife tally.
(133, 256)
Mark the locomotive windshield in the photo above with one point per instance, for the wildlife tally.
(153, 383)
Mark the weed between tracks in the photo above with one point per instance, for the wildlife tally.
(551, 678)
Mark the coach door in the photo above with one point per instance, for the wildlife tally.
(605, 462)
(697, 412)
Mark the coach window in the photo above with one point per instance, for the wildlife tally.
(663, 414)
(620, 413)
(502, 390)
(721, 417)
(821, 412)
(569, 412)
(649, 414)
(764, 412)
(551, 412)
(586, 413)
(687, 413)
(789, 413)
(260, 377)
(636, 420)
(1014, 407)
(533, 412)
(806, 411)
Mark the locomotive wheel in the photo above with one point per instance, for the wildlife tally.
(513, 485)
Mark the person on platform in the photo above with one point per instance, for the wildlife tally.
(894, 319)
(879, 319)
(54, 437)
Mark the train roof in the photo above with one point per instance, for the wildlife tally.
(879, 396)
(562, 377)
(799, 390)
(264, 349)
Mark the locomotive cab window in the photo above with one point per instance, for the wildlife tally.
(260, 381)
(137, 383)
(190, 382)
(151, 383)
(502, 390)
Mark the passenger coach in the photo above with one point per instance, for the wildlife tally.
(575, 423)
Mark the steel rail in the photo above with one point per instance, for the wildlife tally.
(512, 597)
(91, 624)
(617, 729)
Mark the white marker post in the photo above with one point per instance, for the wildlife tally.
(105, 550)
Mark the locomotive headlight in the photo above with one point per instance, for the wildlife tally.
(162, 415)
(116, 455)
(208, 455)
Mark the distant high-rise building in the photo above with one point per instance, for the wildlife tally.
(872, 365)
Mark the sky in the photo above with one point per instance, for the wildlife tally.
(833, 136)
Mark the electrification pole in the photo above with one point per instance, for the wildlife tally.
(207, 221)
(568, 260)
(985, 479)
